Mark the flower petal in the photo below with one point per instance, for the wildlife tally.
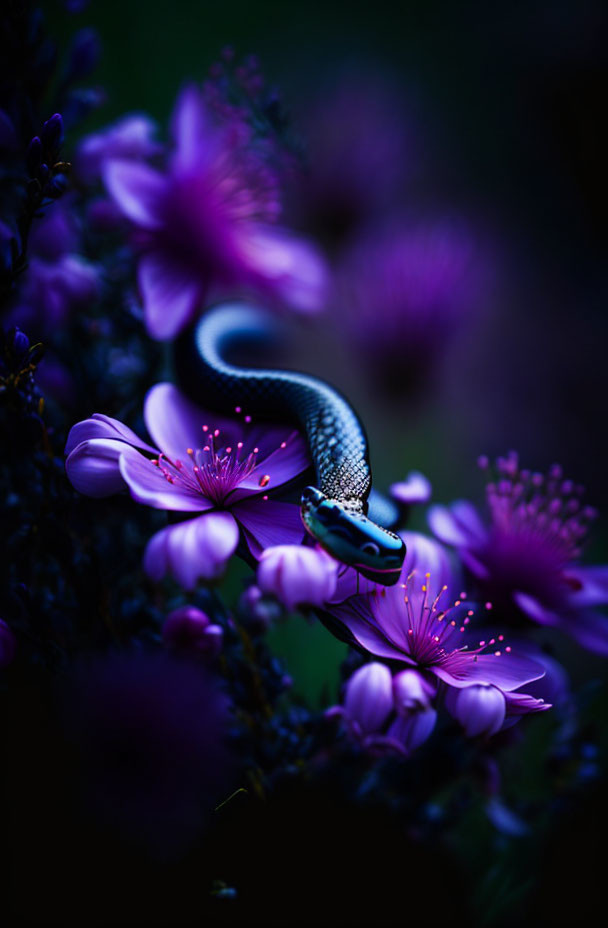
(351, 583)
(281, 466)
(197, 548)
(93, 467)
(176, 423)
(508, 672)
(99, 426)
(458, 525)
(189, 127)
(593, 583)
(424, 556)
(523, 704)
(535, 610)
(291, 267)
(268, 523)
(148, 485)
(589, 628)
(366, 634)
(137, 190)
(416, 488)
(170, 294)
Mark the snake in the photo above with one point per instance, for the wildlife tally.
(335, 512)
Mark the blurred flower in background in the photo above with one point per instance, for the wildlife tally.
(360, 150)
(59, 280)
(129, 139)
(191, 746)
(403, 292)
(209, 223)
(528, 555)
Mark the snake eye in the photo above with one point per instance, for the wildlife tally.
(370, 548)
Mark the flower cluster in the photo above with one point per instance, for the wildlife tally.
(387, 713)
(150, 657)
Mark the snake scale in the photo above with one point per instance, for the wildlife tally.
(335, 511)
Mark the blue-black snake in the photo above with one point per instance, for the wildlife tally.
(335, 512)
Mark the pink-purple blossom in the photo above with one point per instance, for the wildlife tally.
(527, 554)
(209, 223)
(218, 471)
(417, 623)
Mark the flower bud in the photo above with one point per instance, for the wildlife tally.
(33, 157)
(21, 343)
(189, 629)
(258, 608)
(57, 187)
(369, 697)
(297, 576)
(52, 133)
(479, 708)
(411, 691)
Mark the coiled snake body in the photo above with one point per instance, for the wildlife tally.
(334, 512)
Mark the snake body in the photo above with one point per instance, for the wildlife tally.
(335, 511)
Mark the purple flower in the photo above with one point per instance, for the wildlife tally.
(209, 222)
(219, 469)
(528, 553)
(58, 280)
(297, 575)
(414, 623)
(129, 139)
(189, 629)
(402, 291)
(8, 645)
(359, 153)
(387, 714)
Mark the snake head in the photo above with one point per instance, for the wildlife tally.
(350, 537)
